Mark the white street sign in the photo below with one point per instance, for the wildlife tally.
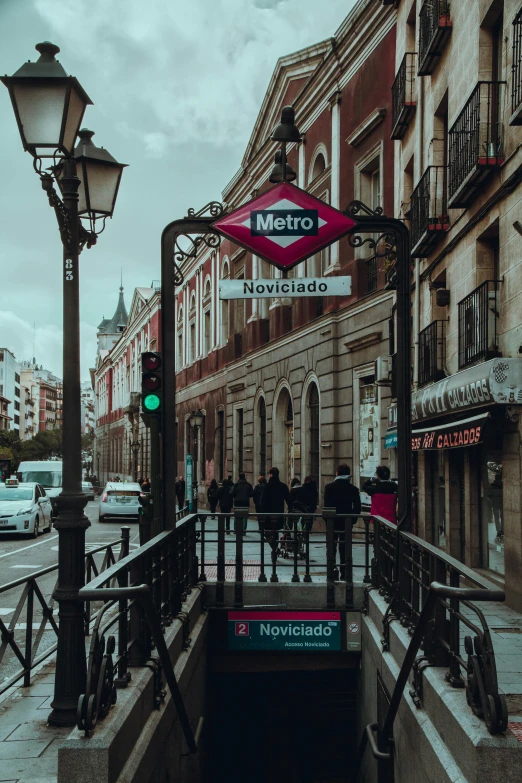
(295, 286)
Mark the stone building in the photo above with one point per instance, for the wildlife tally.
(291, 382)
(457, 110)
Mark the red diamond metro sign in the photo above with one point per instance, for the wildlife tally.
(284, 225)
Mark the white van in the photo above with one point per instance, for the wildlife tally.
(48, 473)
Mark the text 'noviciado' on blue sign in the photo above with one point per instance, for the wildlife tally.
(309, 631)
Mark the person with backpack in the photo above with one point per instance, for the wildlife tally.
(241, 494)
(225, 500)
(383, 493)
(257, 497)
(213, 496)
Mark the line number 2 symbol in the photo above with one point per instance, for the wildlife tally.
(68, 269)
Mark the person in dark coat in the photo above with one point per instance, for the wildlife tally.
(383, 493)
(304, 499)
(213, 496)
(257, 497)
(275, 496)
(146, 486)
(346, 499)
(225, 500)
(241, 494)
(179, 486)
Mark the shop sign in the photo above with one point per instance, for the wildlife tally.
(289, 631)
(498, 381)
(390, 440)
(459, 434)
(284, 225)
(392, 416)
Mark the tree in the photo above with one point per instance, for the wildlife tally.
(45, 444)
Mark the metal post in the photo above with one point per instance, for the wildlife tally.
(155, 475)
(70, 680)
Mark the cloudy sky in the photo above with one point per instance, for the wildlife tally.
(176, 88)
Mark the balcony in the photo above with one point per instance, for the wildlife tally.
(476, 143)
(429, 211)
(516, 71)
(404, 95)
(478, 325)
(432, 353)
(434, 31)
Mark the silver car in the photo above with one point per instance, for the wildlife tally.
(120, 500)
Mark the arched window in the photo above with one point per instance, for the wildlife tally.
(192, 330)
(318, 167)
(313, 433)
(179, 356)
(262, 436)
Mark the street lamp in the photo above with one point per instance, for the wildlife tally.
(49, 106)
(287, 131)
(196, 420)
(135, 447)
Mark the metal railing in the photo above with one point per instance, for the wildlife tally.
(432, 353)
(516, 68)
(404, 95)
(476, 139)
(478, 324)
(429, 211)
(423, 587)
(434, 29)
(34, 613)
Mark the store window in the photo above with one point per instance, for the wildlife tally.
(491, 504)
(369, 427)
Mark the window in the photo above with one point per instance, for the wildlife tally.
(225, 311)
(319, 165)
(17, 378)
(206, 348)
(313, 410)
(240, 439)
(262, 436)
(368, 189)
(179, 357)
(516, 83)
(17, 406)
(17, 419)
(192, 342)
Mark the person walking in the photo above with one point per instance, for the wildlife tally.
(383, 493)
(213, 496)
(306, 500)
(146, 487)
(275, 496)
(225, 500)
(346, 499)
(179, 487)
(242, 491)
(257, 497)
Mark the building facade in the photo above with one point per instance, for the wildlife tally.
(10, 388)
(457, 111)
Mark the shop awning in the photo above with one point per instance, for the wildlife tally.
(457, 434)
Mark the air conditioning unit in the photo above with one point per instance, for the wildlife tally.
(383, 371)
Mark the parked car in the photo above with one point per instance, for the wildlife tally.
(120, 499)
(25, 508)
(88, 489)
(47, 473)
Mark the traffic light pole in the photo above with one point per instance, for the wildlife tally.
(155, 475)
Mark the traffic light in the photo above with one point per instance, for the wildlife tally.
(151, 383)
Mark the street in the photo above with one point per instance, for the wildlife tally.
(20, 558)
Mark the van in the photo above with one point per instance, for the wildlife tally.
(48, 473)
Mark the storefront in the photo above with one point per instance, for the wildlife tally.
(459, 427)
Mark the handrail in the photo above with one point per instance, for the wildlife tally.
(493, 701)
(143, 595)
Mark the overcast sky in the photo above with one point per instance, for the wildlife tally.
(176, 88)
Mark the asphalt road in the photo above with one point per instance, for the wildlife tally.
(20, 557)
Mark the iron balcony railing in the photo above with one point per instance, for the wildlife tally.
(432, 353)
(516, 71)
(404, 95)
(429, 211)
(434, 31)
(476, 142)
(478, 324)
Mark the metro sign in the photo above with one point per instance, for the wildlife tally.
(284, 225)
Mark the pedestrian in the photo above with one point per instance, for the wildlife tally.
(225, 500)
(383, 493)
(305, 500)
(145, 487)
(242, 491)
(257, 497)
(346, 499)
(179, 488)
(213, 496)
(275, 496)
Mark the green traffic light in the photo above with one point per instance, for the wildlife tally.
(151, 402)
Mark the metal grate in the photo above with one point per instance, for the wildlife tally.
(371, 275)
(478, 320)
(404, 95)
(434, 30)
(476, 138)
(431, 353)
(516, 68)
(429, 211)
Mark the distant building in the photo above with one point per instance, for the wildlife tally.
(88, 417)
(45, 390)
(4, 415)
(10, 387)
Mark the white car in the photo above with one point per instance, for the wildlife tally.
(120, 500)
(24, 508)
(88, 489)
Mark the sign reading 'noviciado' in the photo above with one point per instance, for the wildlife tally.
(284, 631)
(299, 286)
(284, 225)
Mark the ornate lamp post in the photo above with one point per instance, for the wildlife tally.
(196, 420)
(135, 447)
(49, 106)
